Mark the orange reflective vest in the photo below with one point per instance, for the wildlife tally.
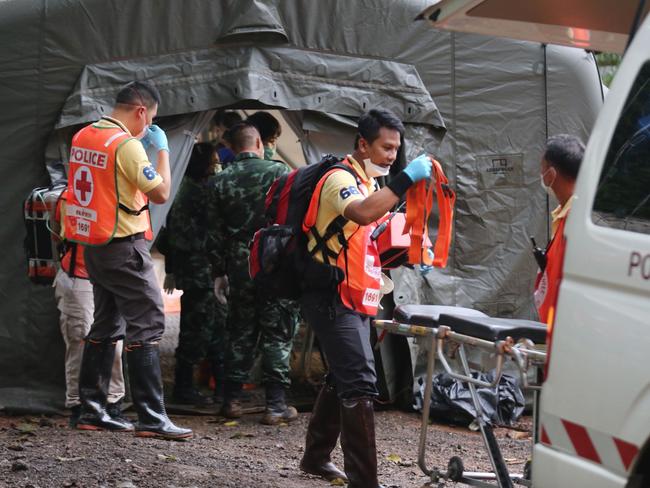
(72, 262)
(93, 206)
(358, 257)
(547, 284)
(419, 202)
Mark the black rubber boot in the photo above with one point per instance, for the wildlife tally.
(94, 378)
(358, 442)
(184, 392)
(322, 433)
(277, 410)
(147, 394)
(231, 407)
(115, 411)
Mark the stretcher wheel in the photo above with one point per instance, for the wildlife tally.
(455, 469)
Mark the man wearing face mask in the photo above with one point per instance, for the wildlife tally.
(559, 169)
(270, 130)
(235, 210)
(111, 182)
(182, 241)
(340, 312)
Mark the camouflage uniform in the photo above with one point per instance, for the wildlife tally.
(235, 212)
(203, 319)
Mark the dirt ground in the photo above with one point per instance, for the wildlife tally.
(40, 452)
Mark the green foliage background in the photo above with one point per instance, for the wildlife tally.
(608, 64)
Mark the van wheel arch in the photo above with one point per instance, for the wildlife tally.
(640, 473)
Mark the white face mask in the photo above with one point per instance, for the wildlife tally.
(374, 170)
(547, 188)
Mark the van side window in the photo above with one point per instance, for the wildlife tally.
(623, 195)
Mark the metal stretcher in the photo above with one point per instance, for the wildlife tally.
(508, 339)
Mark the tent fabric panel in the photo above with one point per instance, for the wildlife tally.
(276, 76)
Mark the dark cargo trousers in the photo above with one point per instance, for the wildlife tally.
(202, 329)
(258, 324)
(344, 336)
(125, 284)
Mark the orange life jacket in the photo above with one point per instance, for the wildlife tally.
(547, 284)
(93, 206)
(72, 262)
(419, 202)
(358, 257)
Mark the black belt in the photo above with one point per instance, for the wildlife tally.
(131, 238)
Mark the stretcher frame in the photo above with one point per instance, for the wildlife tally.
(523, 355)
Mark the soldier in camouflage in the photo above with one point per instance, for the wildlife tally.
(202, 325)
(235, 212)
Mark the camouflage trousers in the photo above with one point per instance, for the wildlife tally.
(202, 328)
(258, 325)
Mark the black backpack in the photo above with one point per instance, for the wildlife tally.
(279, 262)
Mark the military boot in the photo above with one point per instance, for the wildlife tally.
(147, 393)
(94, 378)
(184, 391)
(277, 409)
(358, 442)
(231, 408)
(322, 433)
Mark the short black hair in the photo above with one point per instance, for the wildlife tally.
(241, 136)
(227, 118)
(564, 152)
(138, 93)
(267, 125)
(372, 121)
(200, 160)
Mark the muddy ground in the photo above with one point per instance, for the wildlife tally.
(42, 452)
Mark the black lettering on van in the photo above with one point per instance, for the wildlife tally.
(637, 260)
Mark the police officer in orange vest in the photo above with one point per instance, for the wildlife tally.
(74, 299)
(110, 182)
(340, 219)
(559, 170)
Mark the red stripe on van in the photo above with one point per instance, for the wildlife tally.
(627, 452)
(544, 437)
(581, 441)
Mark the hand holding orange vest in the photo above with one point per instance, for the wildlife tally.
(419, 202)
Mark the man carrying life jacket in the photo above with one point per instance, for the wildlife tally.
(339, 313)
(559, 171)
(110, 183)
(74, 299)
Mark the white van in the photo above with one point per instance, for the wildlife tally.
(595, 403)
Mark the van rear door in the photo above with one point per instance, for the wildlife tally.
(599, 25)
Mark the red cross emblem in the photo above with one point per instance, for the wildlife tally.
(83, 185)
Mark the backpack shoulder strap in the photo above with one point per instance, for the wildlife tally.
(312, 211)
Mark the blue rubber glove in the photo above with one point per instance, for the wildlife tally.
(419, 168)
(156, 137)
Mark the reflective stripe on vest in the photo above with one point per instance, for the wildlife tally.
(358, 258)
(419, 202)
(92, 210)
(548, 283)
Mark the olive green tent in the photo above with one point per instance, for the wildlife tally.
(483, 106)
